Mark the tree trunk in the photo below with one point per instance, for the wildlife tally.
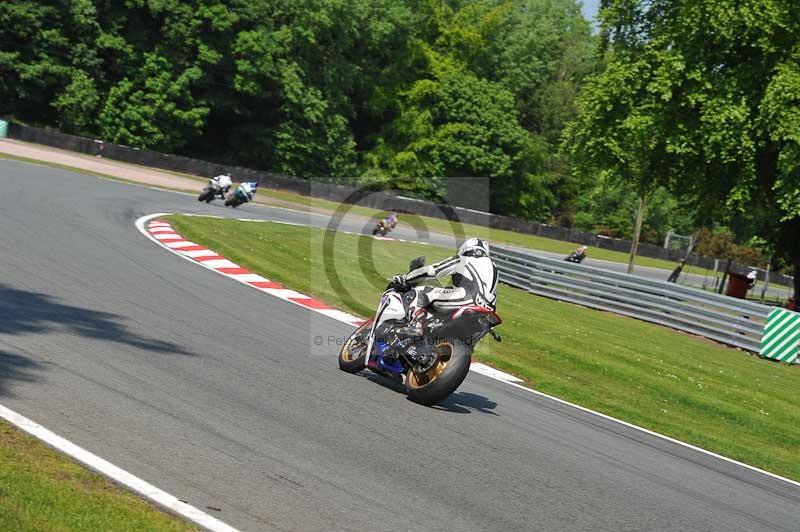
(637, 233)
(796, 281)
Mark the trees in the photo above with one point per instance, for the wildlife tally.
(154, 109)
(711, 90)
(488, 94)
(330, 89)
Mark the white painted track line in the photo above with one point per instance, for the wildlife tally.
(120, 476)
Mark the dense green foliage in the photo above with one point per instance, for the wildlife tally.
(703, 97)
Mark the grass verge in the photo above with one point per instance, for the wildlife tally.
(41, 489)
(494, 235)
(691, 389)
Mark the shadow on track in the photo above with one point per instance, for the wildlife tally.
(31, 312)
(25, 312)
(458, 403)
(16, 367)
(466, 403)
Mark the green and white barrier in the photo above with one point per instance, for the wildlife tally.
(781, 336)
(3, 129)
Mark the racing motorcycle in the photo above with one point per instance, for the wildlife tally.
(242, 194)
(382, 229)
(432, 365)
(210, 192)
(576, 256)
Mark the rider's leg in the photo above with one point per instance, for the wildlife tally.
(449, 298)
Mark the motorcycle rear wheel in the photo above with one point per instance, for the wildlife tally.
(353, 356)
(447, 374)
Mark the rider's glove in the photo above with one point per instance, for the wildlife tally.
(399, 282)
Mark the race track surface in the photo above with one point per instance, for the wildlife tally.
(213, 392)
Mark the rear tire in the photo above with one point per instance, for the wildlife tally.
(444, 378)
(353, 361)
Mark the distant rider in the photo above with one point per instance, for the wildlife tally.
(224, 182)
(391, 220)
(474, 283)
(249, 188)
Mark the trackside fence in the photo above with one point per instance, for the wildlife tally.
(727, 320)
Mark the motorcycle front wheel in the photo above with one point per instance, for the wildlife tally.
(442, 379)
(205, 194)
(353, 356)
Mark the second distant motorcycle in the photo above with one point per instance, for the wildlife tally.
(243, 194)
(577, 256)
(217, 186)
(385, 226)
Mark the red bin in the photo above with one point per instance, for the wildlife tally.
(737, 285)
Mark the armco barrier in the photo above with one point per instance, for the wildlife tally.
(727, 320)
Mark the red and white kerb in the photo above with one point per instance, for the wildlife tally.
(167, 237)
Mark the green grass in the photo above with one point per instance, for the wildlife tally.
(494, 235)
(718, 398)
(41, 489)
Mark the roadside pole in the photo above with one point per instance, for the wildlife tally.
(637, 231)
(766, 281)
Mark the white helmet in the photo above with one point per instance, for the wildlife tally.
(474, 247)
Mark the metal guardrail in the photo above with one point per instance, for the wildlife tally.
(727, 320)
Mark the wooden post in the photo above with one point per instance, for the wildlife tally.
(725, 276)
(637, 232)
(766, 281)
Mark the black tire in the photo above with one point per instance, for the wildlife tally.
(230, 202)
(444, 378)
(349, 363)
(375, 231)
(204, 195)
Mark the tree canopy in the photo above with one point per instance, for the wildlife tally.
(703, 97)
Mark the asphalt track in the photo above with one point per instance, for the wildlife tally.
(213, 392)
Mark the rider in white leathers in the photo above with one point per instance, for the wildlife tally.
(474, 283)
(249, 188)
(224, 181)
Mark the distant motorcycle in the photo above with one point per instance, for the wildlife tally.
(386, 225)
(210, 192)
(243, 194)
(217, 186)
(577, 256)
(381, 229)
(432, 366)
